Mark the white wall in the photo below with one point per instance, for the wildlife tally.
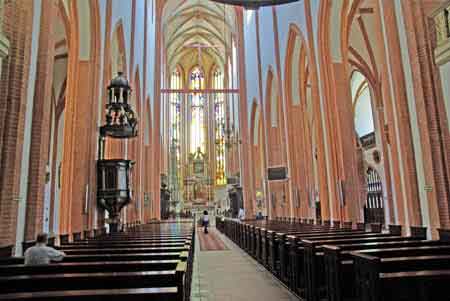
(267, 40)
(251, 60)
(293, 13)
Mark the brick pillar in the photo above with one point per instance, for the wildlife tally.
(348, 152)
(406, 164)
(434, 136)
(243, 120)
(322, 168)
(41, 121)
(17, 27)
(156, 135)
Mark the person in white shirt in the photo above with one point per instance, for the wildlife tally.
(241, 214)
(41, 254)
(205, 221)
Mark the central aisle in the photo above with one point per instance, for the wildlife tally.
(232, 275)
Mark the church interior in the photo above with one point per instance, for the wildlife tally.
(225, 150)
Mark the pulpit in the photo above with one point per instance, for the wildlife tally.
(114, 176)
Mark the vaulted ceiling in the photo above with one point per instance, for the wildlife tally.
(192, 24)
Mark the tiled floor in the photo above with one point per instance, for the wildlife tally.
(232, 275)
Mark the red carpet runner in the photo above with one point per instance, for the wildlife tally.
(210, 241)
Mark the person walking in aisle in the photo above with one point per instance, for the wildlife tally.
(205, 221)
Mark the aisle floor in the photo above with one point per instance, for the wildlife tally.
(232, 275)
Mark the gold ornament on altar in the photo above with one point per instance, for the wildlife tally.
(198, 162)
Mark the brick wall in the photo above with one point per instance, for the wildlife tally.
(17, 25)
(434, 137)
(40, 132)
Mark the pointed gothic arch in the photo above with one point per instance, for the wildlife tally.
(83, 76)
(118, 49)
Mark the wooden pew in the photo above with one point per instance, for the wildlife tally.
(314, 266)
(267, 242)
(444, 234)
(101, 244)
(281, 246)
(105, 257)
(6, 251)
(302, 268)
(297, 255)
(339, 265)
(89, 281)
(135, 294)
(144, 250)
(150, 257)
(90, 267)
(407, 273)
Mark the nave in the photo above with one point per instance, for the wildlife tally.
(280, 259)
(231, 274)
(312, 135)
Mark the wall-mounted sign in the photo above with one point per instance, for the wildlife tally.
(277, 173)
(428, 188)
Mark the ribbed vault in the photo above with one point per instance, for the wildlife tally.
(198, 30)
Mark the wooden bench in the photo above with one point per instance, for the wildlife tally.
(267, 243)
(90, 281)
(101, 280)
(281, 246)
(340, 270)
(150, 263)
(297, 256)
(94, 245)
(107, 257)
(409, 273)
(134, 294)
(122, 241)
(6, 251)
(314, 265)
(163, 249)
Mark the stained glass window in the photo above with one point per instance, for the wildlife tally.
(219, 119)
(197, 101)
(175, 115)
(175, 125)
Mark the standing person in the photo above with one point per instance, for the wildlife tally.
(41, 254)
(241, 214)
(259, 215)
(205, 221)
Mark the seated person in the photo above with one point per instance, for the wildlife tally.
(41, 254)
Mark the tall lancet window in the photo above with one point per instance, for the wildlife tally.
(219, 120)
(175, 116)
(197, 101)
